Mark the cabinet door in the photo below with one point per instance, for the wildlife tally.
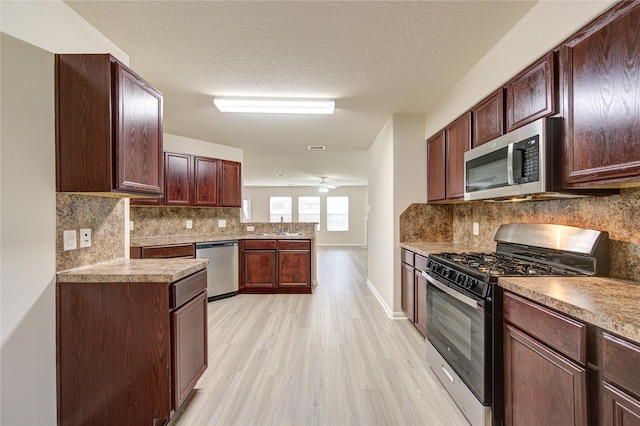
(177, 179)
(421, 302)
(259, 269)
(408, 292)
(532, 94)
(189, 346)
(458, 141)
(206, 181)
(294, 268)
(540, 386)
(436, 160)
(231, 184)
(138, 139)
(488, 118)
(601, 91)
(620, 409)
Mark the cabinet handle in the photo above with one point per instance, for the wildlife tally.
(447, 373)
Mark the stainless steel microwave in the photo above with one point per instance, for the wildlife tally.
(520, 165)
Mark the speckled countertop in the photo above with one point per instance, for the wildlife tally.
(135, 270)
(425, 248)
(189, 239)
(608, 303)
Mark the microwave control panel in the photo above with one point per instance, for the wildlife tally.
(527, 156)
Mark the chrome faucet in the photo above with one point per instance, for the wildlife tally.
(281, 225)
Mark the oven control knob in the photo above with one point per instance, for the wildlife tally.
(471, 283)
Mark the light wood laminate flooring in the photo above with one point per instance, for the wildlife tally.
(330, 358)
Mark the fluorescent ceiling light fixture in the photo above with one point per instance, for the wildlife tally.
(275, 106)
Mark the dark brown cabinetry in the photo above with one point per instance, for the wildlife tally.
(199, 181)
(621, 384)
(231, 184)
(445, 161)
(414, 289)
(177, 179)
(545, 379)
(488, 118)
(123, 349)
(205, 181)
(436, 167)
(108, 128)
(184, 251)
(601, 83)
(275, 266)
(533, 93)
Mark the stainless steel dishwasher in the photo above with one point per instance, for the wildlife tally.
(222, 272)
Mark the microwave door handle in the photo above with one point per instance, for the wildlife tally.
(451, 292)
(510, 179)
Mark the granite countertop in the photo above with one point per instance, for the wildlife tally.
(609, 303)
(190, 239)
(135, 270)
(425, 248)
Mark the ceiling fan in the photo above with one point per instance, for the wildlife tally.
(323, 186)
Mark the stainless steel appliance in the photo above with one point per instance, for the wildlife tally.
(464, 319)
(522, 164)
(222, 272)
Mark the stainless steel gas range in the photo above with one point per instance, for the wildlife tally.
(464, 318)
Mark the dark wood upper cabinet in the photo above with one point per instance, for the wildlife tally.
(601, 101)
(488, 118)
(108, 128)
(458, 141)
(206, 181)
(230, 184)
(436, 167)
(177, 179)
(533, 93)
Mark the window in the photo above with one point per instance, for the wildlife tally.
(337, 213)
(246, 208)
(279, 207)
(309, 210)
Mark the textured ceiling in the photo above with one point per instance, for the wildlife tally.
(375, 58)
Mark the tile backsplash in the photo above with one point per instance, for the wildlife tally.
(616, 214)
(165, 221)
(105, 217)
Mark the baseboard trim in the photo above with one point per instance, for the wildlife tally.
(391, 314)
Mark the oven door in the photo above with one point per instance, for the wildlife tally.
(459, 327)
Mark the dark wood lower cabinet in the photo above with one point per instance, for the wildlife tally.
(275, 266)
(421, 302)
(621, 381)
(414, 289)
(541, 386)
(118, 344)
(408, 291)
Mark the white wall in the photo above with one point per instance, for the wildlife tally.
(357, 210)
(27, 200)
(175, 143)
(380, 230)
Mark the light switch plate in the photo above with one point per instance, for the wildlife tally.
(130, 225)
(250, 228)
(69, 240)
(85, 237)
(476, 228)
(189, 224)
(222, 223)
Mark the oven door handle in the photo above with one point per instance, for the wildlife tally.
(451, 292)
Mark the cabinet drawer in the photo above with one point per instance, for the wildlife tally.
(421, 262)
(166, 252)
(294, 245)
(562, 333)
(620, 361)
(184, 290)
(407, 256)
(259, 244)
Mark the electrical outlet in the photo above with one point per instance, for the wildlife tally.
(476, 228)
(85, 237)
(250, 228)
(222, 223)
(130, 225)
(189, 224)
(69, 240)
